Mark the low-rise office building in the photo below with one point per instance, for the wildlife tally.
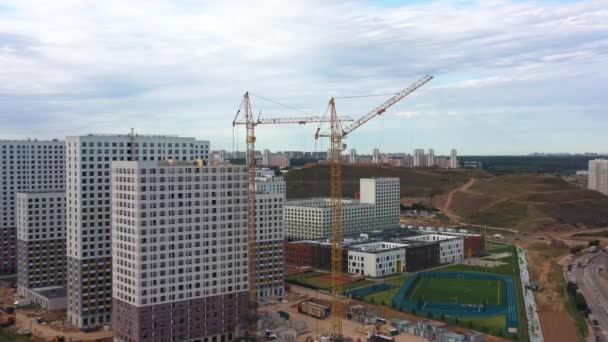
(451, 248)
(376, 259)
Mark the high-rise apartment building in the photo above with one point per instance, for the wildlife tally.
(266, 157)
(88, 189)
(384, 194)
(41, 243)
(453, 159)
(179, 249)
(28, 165)
(376, 156)
(419, 158)
(598, 175)
(430, 158)
(270, 236)
(352, 156)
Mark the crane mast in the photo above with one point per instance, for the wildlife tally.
(336, 134)
(252, 250)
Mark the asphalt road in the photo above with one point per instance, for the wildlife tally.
(593, 285)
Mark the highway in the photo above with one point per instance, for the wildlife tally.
(592, 283)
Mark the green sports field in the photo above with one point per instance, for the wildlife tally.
(459, 291)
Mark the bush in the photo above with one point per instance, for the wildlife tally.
(594, 243)
(576, 249)
(581, 303)
(429, 315)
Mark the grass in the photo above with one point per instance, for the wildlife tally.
(492, 325)
(357, 284)
(491, 246)
(460, 291)
(6, 336)
(382, 298)
(310, 279)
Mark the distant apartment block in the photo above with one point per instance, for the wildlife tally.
(25, 165)
(179, 249)
(376, 156)
(419, 158)
(377, 209)
(598, 175)
(270, 235)
(41, 247)
(88, 198)
(430, 157)
(352, 156)
(453, 159)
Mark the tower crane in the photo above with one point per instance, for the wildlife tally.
(336, 134)
(252, 255)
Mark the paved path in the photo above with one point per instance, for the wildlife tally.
(594, 287)
(535, 332)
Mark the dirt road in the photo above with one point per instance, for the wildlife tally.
(45, 331)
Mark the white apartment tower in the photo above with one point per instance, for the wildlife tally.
(430, 158)
(419, 158)
(598, 175)
(376, 156)
(270, 236)
(25, 165)
(179, 249)
(453, 159)
(353, 156)
(88, 191)
(384, 194)
(266, 157)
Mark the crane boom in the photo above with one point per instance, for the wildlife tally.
(383, 107)
(295, 120)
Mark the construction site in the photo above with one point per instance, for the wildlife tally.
(338, 131)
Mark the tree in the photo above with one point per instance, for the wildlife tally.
(429, 314)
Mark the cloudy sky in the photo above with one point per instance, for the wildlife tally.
(511, 77)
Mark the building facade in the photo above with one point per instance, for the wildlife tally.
(40, 240)
(453, 159)
(376, 259)
(311, 218)
(598, 175)
(270, 235)
(88, 198)
(384, 194)
(26, 165)
(179, 249)
(430, 157)
(419, 158)
(352, 158)
(451, 248)
(376, 156)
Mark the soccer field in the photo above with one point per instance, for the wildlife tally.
(459, 291)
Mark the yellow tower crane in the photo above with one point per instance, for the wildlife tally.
(336, 134)
(252, 255)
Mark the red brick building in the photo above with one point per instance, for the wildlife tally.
(474, 246)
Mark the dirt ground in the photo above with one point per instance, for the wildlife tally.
(350, 328)
(546, 263)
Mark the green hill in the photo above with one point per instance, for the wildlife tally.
(313, 180)
(528, 203)
(524, 202)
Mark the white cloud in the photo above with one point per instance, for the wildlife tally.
(188, 63)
